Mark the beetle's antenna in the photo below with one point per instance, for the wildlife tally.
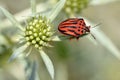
(96, 25)
(92, 35)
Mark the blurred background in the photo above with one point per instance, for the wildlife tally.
(73, 59)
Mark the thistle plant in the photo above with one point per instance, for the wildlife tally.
(37, 33)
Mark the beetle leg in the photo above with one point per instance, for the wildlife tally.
(77, 38)
(71, 37)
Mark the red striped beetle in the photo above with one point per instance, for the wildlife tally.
(74, 27)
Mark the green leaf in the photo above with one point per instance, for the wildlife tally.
(56, 9)
(56, 38)
(11, 18)
(48, 63)
(17, 52)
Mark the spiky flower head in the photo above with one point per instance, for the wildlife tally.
(38, 31)
(75, 6)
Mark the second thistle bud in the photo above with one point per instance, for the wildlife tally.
(75, 6)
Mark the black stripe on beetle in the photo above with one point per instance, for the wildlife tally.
(68, 26)
(74, 32)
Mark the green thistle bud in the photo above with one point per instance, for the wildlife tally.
(38, 31)
(75, 6)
